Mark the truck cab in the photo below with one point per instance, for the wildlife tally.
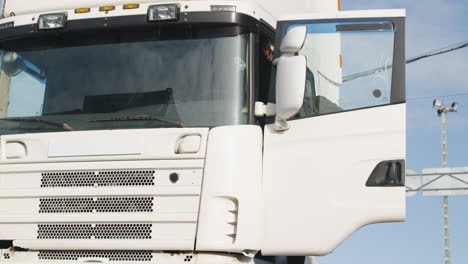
(196, 131)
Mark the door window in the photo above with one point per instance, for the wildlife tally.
(349, 66)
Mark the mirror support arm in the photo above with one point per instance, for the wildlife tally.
(284, 55)
(280, 124)
(5, 83)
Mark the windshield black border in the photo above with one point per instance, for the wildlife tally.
(123, 22)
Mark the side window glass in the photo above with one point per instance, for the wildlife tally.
(264, 67)
(26, 86)
(349, 66)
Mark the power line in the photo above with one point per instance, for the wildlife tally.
(435, 53)
(436, 96)
(438, 52)
(429, 54)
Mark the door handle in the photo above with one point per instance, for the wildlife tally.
(387, 174)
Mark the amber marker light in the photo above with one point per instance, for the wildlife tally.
(131, 6)
(106, 8)
(82, 10)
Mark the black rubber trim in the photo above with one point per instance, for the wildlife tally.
(4, 244)
(398, 92)
(267, 29)
(140, 21)
(360, 27)
(389, 173)
(344, 111)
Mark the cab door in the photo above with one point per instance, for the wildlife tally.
(339, 165)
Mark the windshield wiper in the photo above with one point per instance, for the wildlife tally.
(63, 126)
(142, 118)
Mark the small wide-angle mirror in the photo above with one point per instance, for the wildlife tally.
(294, 40)
(12, 63)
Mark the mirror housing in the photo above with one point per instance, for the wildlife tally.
(290, 85)
(12, 64)
(294, 40)
(290, 77)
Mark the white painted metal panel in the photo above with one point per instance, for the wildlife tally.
(20, 7)
(125, 257)
(111, 145)
(345, 14)
(315, 173)
(314, 179)
(123, 202)
(30, 16)
(445, 181)
(412, 182)
(163, 244)
(276, 8)
(231, 204)
(96, 146)
(92, 165)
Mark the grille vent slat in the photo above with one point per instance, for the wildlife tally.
(98, 231)
(110, 255)
(99, 205)
(98, 178)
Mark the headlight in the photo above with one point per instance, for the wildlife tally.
(163, 12)
(51, 21)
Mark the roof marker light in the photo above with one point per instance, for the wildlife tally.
(163, 12)
(106, 8)
(223, 8)
(52, 21)
(82, 10)
(131, 6)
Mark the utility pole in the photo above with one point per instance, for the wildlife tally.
(442, 112)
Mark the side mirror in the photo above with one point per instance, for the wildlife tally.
(290, 77)
(12, 64)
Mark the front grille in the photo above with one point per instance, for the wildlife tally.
(98, 231)
(98, 178)
(110, 255)
(99, 205)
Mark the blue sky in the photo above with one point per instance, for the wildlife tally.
(431, 24)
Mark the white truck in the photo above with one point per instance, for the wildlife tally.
(152, 131)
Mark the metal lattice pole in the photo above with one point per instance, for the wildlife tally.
(442, 111)
(445, 198)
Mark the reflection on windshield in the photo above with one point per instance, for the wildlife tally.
(199, 82)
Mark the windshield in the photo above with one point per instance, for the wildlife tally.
(198, 80)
